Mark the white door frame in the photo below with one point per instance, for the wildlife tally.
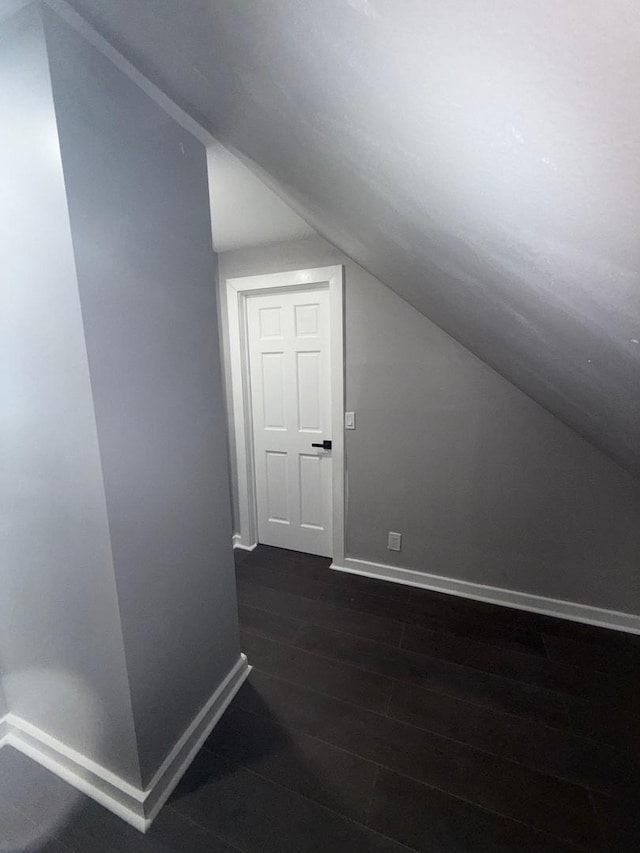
(238, 290)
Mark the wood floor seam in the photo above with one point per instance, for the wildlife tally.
(319, 805)
(509, 679)
(489, 675)
(371, 671)
(306, 734)
(232, 848)
(373, 792)
(440, 736)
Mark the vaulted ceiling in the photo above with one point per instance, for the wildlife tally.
(481, 157)
(244, 211)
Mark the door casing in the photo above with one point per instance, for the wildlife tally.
(237, 292)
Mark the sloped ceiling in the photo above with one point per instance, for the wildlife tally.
(481, 157)
(244, 211)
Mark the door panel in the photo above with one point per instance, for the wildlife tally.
(270, 323)
(277, 487)
(311, 510)
(309, 391)
(273, 394)
(289, 364)
(306, 320)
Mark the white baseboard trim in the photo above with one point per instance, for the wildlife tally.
(243, 546)
(108, 789)
(136, 806)
(616, 620)
(176, 763)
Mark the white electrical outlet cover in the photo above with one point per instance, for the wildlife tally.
(394, 541)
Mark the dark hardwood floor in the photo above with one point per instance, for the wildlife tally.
(383, 718)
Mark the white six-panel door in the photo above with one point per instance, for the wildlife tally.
(289, 363)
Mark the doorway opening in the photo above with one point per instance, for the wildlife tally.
(286, 353)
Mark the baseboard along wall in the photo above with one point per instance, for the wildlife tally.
(243, 546)
(136, 806)
(613, 619)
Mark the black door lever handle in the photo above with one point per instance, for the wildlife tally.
(326, 445)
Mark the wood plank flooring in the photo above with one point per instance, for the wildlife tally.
(383, 718)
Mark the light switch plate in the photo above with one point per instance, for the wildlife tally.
(349, 420)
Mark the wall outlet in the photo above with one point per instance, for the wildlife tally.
(349, 420)
(394, 541)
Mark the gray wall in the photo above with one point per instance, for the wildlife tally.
(3, 699)
(138, 203)
(484, 484)
(61, 638)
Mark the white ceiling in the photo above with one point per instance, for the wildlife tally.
(244, 210)
(8, 7)
(481, 157)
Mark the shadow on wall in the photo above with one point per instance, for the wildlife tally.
(36, 805)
